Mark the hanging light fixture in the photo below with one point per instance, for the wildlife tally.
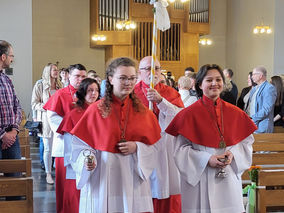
(97, 37)
(125, 25)
(205, 41)
(261, 29)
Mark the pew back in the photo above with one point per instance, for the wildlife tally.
(268, 152)
(22, 166)
(17, 187)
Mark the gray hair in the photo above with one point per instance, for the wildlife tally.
(262, 70)
(184, 82)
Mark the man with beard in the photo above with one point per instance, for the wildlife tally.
(10, 109)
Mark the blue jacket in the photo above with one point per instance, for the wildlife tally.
(264, 108)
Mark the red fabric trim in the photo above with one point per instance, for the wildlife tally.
(168, 205)
(60, 175)
(71, 197)
(195, 123)
(70, 120)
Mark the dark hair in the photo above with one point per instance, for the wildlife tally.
(105, 106)
(230, 72)
(92, 71)
(189, 69)
(169, 74)
(82, 91)
(166, 79)
(202, 73)
(76, 66)
(277, 82)
(4, 47)
(252, 82)
(64, 70)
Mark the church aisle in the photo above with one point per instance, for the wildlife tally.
(44, 194)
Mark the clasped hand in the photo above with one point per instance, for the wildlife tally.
(215, 161)
(127, 148)
(9, 139)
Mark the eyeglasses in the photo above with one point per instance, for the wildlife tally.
(124, 79)
(12, 56)
(149, 68)
(256, 73)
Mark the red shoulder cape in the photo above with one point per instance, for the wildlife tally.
(104, 133)
(169, 93)
(196, 124)
(70, 120)
(62, 101)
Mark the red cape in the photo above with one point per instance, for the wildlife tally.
(62, 101)
(71, 119)
(196, 124)
(169, 93)
(104, 133)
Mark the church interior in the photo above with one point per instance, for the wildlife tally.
(235, 34)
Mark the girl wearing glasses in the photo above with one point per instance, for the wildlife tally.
(113, 147)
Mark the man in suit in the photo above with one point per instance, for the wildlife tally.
(261, 101)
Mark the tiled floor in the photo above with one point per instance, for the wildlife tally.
(44, 194)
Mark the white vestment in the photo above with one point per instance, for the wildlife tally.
(58, 144)
(165, 180)
(118, 183)
(202, 192)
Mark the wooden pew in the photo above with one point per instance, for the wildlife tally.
(268, 152)
(271, 189)
(278, 129)
(25, 151)
(24, 140)
(269, 137)
(22, 166)
(17, 187)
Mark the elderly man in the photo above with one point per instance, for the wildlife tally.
(261, 101)
(184, 88)
(165, 182)
(57, 106)
(10, 109)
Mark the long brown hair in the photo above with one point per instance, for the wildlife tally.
(278, 83)
(105, 105)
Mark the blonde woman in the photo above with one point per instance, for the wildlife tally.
(41, 93)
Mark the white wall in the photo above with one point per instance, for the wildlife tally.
(16, 28)
(246, 50)
(279, 38)
(61, 33)
(216, 53)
